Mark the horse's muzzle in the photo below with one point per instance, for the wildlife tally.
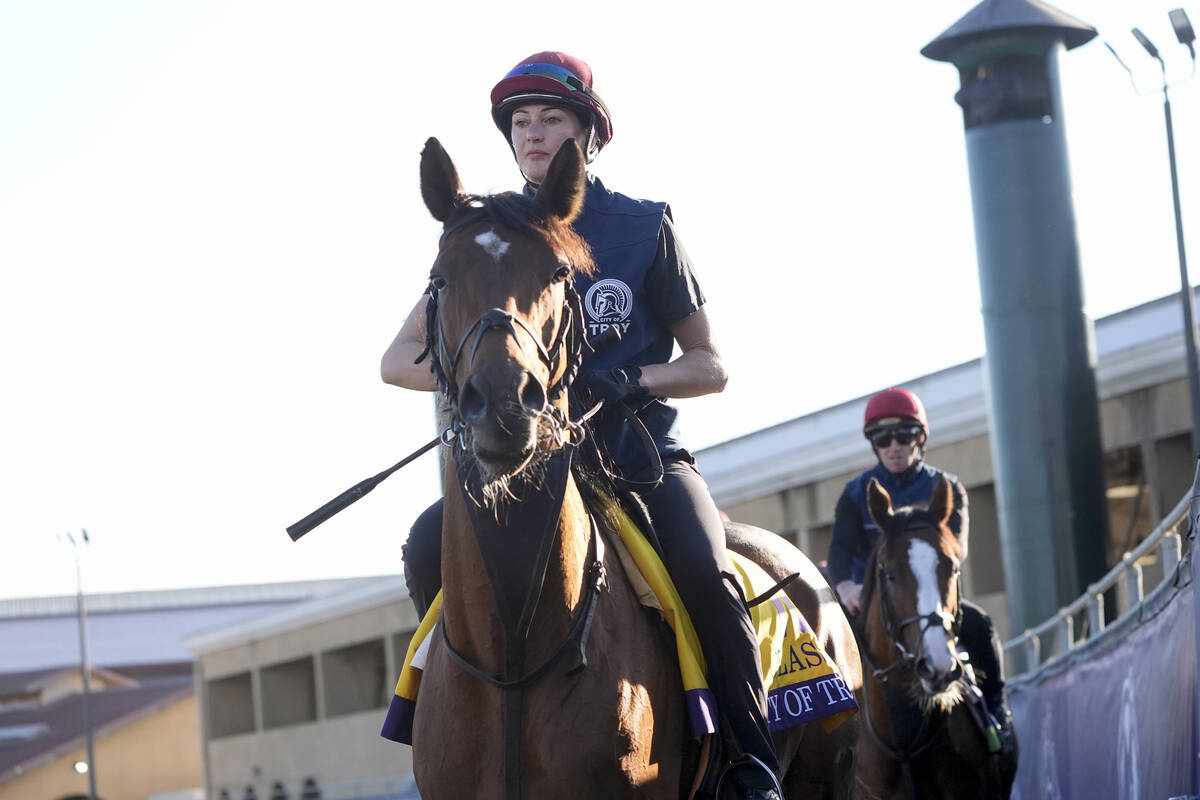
(502, 420)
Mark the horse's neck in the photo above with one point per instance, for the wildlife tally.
(468, 605)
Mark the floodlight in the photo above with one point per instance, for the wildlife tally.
(1146, 43)
(81, 767)
(1182, 26)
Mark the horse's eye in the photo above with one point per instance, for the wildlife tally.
(889, 576)
(563, 272)
(437, 282)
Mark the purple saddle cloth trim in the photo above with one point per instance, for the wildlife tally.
(398, 723)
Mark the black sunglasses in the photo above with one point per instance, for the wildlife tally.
(884, 439)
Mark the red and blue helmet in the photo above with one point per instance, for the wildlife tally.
(553, 77)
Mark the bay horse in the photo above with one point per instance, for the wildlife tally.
(548, 678)
(920, 738)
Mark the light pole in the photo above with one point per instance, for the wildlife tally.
(85, 667)
(1186, 36)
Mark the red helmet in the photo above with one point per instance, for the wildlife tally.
(894, 404)
(554, 78)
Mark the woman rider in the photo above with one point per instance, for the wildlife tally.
(645, 286)
(896, 426)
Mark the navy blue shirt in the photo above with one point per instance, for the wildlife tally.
(854, 532)
(643, 284)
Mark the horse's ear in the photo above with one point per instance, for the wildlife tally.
(879, 503)
(942, 504)
(440, 187)
(561, 192)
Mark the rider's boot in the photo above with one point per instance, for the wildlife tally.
(1004, 722)
(979, 638)
(750, 779)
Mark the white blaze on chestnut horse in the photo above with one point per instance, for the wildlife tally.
(508, 707)
(919, 737)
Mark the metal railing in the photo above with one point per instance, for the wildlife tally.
(1029, 651)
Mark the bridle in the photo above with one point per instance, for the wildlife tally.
(569, 342)
(501, 554)
(893, 628)
(906, 659)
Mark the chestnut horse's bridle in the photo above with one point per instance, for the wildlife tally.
(927, 621)
(925, 734)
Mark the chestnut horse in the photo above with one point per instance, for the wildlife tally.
(548, 678)
(919, 737)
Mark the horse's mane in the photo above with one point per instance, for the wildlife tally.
(526, 216)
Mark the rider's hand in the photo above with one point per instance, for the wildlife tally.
(850, 594)
(619, 384)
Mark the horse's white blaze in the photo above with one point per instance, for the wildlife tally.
(923, 561)
(492, 244)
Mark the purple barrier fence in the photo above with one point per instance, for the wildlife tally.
(1117, 717)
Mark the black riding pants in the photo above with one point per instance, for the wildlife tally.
(978, 636)
(693, 540)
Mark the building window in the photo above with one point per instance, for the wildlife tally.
(354, 678)
(230, 706)
(288, 693)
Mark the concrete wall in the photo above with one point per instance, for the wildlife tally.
(331, 731)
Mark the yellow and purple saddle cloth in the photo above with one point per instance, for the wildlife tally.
(802, 684)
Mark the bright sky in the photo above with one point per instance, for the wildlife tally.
(210, 229)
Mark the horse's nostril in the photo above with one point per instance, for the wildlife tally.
(472, 399)
(532, 393)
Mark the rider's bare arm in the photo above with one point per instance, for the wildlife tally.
(697, 371)
(397, 367)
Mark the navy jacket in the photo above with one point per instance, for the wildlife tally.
(854, 533)
(643, 284)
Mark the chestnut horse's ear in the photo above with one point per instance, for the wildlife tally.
(942, 504)
(561, 193)
(440, 187)
(879, 503)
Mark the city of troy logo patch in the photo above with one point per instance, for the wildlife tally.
(608, 303)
